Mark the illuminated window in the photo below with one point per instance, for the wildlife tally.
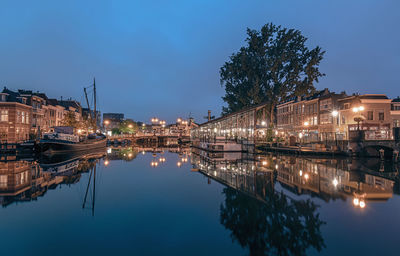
(4, 115)
(3, 181)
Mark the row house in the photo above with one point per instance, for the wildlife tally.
(15, 117)
(369, 112)
(308, 116)
(24, 114)
(395, 112)
(327, 116)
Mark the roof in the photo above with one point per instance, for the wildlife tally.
(12, 96)
(374, 96)
(70, 103)
(53, 102)
(396, 99)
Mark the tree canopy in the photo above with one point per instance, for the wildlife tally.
(273, 66)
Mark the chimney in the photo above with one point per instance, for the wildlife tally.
(209, 115)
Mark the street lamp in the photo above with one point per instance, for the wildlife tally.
(358, 119)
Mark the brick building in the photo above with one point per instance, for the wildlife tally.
(15, 117)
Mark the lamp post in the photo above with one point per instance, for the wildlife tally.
(306, 124)
(358, 119)
(335, 115)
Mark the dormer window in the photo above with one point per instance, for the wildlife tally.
(3, 97)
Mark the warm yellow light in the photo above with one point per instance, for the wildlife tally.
(178, 120)
(300, 135)
(263, 123)
(356, 201)
(335, 113)
(179, 164)
(276, 132)
(276, 166)
(301, 173)
(79, 131)
(306, 176)
(264, 163)
(335, 182)
(130, 126)
(362, 204)
(355, 110)
(106, 162)
(106, 122)
(130, 155)
(306, 123)
(361, 108)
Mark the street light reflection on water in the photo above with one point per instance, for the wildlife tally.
(229, 201)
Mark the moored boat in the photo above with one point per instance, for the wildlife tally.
(59, 144)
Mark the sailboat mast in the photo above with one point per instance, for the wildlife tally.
(88, 105)
(95, 111)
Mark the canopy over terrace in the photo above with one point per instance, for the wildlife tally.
(246, 125)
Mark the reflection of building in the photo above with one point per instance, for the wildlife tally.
(324, 178)
(25, 181)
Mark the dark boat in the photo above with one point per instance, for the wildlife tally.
(51, 146)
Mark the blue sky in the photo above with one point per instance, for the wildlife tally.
(162, 58)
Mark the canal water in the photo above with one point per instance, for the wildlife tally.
(127, 201)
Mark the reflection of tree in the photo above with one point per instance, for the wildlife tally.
(278, 226)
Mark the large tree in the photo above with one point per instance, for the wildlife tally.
(274, 65)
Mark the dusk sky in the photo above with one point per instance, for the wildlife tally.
(162, 58)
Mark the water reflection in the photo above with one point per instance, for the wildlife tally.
(24, 180)
(265, 208)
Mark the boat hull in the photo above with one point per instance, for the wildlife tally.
(57, 147)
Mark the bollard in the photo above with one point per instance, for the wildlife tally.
(382, 154)
(395, 155)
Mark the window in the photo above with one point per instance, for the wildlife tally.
(326, 104)
(315, 120)
(346, 105)
(326, 118)
(370, 115)
(18, 117)
(396, 123)
(3, 181)
(343, 120)
(23, 117)
(4, 116)
(381, 116)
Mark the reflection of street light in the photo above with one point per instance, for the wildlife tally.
(106, 162)
(335, 182)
